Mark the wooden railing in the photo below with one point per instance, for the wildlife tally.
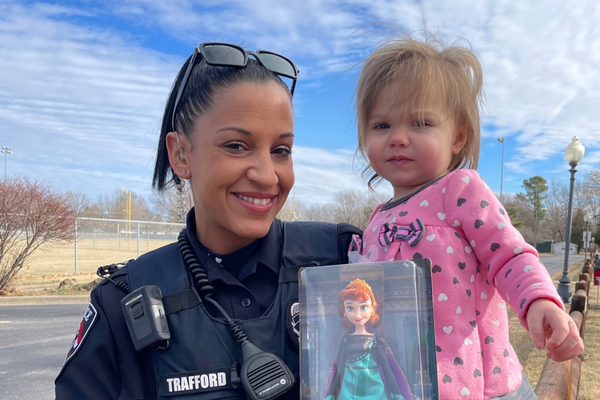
(560, 380)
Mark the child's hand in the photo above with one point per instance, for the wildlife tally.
(547, 321)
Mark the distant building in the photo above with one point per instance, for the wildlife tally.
(545, 246)
(561, 247)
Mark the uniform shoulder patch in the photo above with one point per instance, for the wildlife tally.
(85, 326)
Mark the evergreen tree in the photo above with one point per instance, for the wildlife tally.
(534, 196)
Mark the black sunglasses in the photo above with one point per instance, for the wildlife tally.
(230, 55)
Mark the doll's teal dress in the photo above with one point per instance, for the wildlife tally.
(364, 370)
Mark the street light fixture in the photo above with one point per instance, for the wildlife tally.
(586, 237)
(574, 154)
(5, 150)
(501, 140)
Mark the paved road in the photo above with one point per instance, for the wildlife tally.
(556, 263)
(34, 341)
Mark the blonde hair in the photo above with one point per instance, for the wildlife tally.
(428, 72)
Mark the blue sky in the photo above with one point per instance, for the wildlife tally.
(83, 83)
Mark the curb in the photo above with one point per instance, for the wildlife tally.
(29, 300)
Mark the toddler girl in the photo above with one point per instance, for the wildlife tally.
(418, 126)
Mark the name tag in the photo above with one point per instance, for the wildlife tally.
(194, 382)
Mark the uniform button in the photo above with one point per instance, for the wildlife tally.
(246, 302)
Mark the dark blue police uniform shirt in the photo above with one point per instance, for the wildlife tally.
(245, 281)
(106, 363)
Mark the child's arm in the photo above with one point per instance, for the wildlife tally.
(547, 321)
(510, 264)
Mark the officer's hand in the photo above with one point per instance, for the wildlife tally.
(554, 329)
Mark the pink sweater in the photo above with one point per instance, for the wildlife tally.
(479, 261)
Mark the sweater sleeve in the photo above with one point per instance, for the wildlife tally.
(510, 263)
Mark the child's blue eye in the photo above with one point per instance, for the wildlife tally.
(349, 309)
(420, 123)
(382, 125)
(363, 308)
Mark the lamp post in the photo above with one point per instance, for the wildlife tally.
(574, 154)
(586, 237)
(5, 150)
(501, 140)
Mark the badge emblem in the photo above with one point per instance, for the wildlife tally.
(292, 323)
(295, 318)
(85, 326)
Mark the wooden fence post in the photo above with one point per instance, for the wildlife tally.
(560, 380)
(553, 381)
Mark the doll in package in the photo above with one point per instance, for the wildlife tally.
(366, 332)
(365, 367)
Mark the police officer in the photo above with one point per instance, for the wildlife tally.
(228, 131)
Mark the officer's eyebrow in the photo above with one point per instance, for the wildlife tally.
(248, 133)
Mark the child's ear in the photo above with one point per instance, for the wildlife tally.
(460, 139)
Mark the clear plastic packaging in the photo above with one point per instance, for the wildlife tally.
(387, 342)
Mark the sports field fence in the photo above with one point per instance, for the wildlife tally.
(99, 241)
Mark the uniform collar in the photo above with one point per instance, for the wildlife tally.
(268, 252)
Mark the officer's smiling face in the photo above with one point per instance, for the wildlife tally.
(241, 164)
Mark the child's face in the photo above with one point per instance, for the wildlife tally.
(409, 148)
(358, 312)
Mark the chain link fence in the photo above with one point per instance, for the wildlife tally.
(100, 242)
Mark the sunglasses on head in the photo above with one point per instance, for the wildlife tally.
(230, 55)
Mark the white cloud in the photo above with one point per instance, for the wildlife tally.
(321, 173)
(82, 105)
(541, 59)
(76, 100)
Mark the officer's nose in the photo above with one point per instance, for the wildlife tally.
(262, 170)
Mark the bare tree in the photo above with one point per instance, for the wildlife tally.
(104, 206)
(79, 202)
(94, 211)
(355, 206)
(115, 206)
(556, 207)
(514, 209)
(292, 211)
(557, 203)
(167, 204)
(352, 206)
(519, 213)
(591, 191)
(31, 214)
(319, 212)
